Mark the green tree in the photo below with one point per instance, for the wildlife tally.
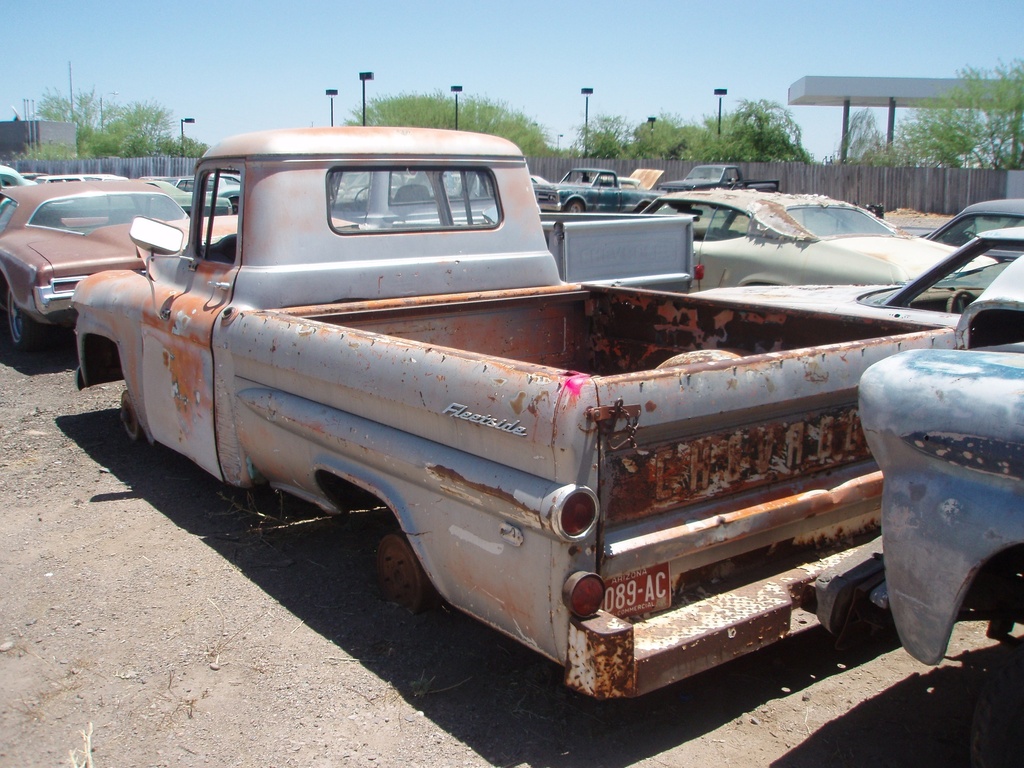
(668, 137)
(979, 123)
(605, 136)
(108, 129)
(759, 131)
(437, 110)
(143, 129)
(866, 145)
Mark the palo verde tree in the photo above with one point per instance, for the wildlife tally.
(437, 110)
(977, 124)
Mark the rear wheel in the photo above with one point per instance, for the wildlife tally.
(27, 335)
(997, 733)
(402, 578)
(129, 418)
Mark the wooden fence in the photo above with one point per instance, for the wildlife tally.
(929, 190)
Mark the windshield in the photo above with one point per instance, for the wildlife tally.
(835, 221)
(705, 172)
(85, 213)
(953, 289)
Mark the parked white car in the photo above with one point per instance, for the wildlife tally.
(746, 237)
(60, 177)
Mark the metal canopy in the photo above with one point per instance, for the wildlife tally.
(890, 92)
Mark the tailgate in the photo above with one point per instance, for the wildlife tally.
(703, 465)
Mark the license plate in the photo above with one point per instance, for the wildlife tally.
(641, 591)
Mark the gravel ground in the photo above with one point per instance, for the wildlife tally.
(152, 616)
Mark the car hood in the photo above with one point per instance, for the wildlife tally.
(804, 296)
(907, 256)
(851, 300)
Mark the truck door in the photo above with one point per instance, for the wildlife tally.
(609, 196)
(188, 296)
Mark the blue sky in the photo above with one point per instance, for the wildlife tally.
(241, 66)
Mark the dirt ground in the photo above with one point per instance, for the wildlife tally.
(151, 616)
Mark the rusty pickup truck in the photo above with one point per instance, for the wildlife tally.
(638, 485)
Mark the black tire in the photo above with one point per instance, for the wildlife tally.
(997, 733)
(575, 206)
(27, 335)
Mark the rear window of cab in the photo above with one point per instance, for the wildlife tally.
(361, 200)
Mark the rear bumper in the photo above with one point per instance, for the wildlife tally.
(615, 658)
(53, 300)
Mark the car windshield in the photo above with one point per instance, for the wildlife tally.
(960, 231)
(705, 172)
(949, 291)
(85, 213)
(836, 221)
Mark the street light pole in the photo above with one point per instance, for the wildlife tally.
(720, 92)
(363, 77)
(190, 121)
(456, 89)
(587, 93)
(332, 92)
(102, 125)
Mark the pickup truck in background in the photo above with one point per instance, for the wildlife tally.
(600, 191)
(638, 485)
(946, 429)
(718, 176)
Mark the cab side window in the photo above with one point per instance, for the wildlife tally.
(216, 233)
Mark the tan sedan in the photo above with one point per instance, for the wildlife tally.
(745, 237)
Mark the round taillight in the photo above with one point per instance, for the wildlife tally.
(578, 513)
(583, 593)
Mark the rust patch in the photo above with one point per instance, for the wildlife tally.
(516, 403)
(448, 475)
(722, 463)
(600, 660)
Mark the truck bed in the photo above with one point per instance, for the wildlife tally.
(600, 332)
(729, 476)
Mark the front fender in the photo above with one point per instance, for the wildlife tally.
(945, 427)
(109, 306)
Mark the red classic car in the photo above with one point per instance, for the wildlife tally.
(53, 235)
